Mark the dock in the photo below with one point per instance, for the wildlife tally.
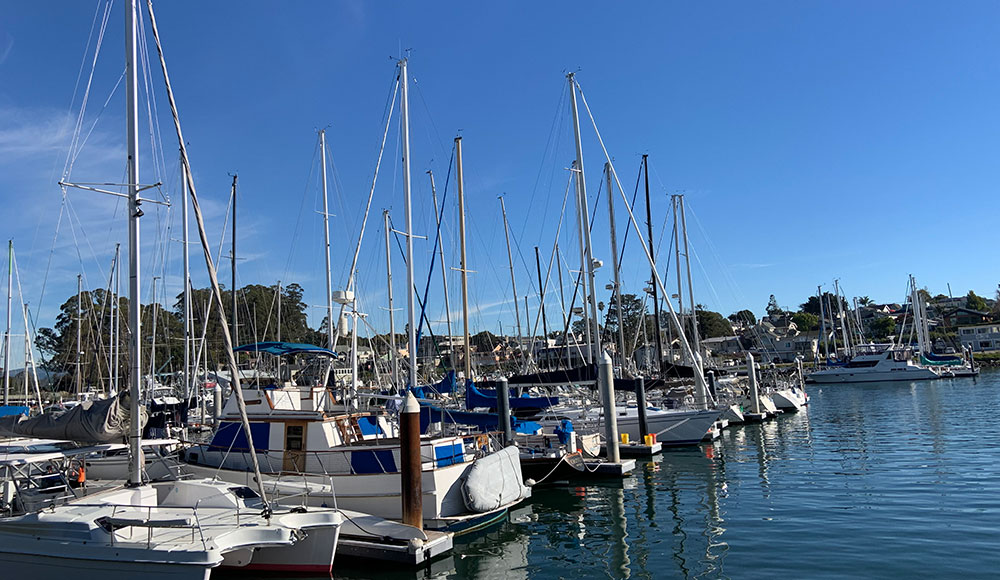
(370, 538)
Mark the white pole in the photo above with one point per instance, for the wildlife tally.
(404, 122)
(510, 262)
(6, 336)
(687, 260)
(117, 323)
(393, 351)
(444, 270)
(585, 215)
(583, 265)
(460, 177)
(326, 235)
(187, 293)
(135, 355)
(614, 266)
(79, 333)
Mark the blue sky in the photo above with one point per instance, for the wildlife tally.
(813, 141)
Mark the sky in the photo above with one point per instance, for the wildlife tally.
(812, 141)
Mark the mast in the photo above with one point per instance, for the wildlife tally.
(187, 293)
(595, 347)
(614, 266)
(822, 323)
(677, 261)
(460, 176)
(510, 262)
(687, 260)
(444, 270)
(236, 311)
(135, 354)
(541, 297)
(583, 265)
(278, 334)
(562, 300)
(326, 235)
(6, 336)
(404, 121)
(656, 302)
(79, 332)
(117, 326)
(393, 351)
(840, 316)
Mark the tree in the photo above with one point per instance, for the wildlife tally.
(772, 307)
(974, 302)
(712, 324)
(812, 305)
(633, 312)
(864, 301)
(805, 321)
(744, 316)
(484, 341)
(883, 327)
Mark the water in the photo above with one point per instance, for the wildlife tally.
(876, 481)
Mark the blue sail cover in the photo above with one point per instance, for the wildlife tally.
(485, 421)
(285, 348)
(476, 397)
(446, 385)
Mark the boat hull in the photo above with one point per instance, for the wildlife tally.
(41, 566)
(873, 377)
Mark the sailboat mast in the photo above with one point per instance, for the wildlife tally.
(510, 262)
(79, 333)
(460, 176)
(444, 270)
(595, 346)
(614, 267)
(6, 336)
(187, 291)
(822, 323)
(134, 213)
(656, 302)
(687, 261)
(117, 326)
(326, 236)
(677, 262)
(393, 351)
(541, 297)
(404, 121)
(236, 311)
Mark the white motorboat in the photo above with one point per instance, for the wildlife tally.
(875, 363)
(790, 399)
(308, 445)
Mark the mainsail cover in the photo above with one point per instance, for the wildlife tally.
(102, 421)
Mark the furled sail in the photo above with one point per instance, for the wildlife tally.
(102, 421)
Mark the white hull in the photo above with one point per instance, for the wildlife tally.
(860, 376)
(42, 566)
(671, 427)
(790, 399)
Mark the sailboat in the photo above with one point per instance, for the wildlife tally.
(178, 529)
(330, 453)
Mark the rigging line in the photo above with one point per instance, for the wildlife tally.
(434, 251)
(548, 272)
(302, 206)
(549, 146)
(635, 193)
(52, 251)
(368, 206)
(70, 158)
(93, 125)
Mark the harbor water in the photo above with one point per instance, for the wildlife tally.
(880, 480)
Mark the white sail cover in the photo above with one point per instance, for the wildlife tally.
(102, 421)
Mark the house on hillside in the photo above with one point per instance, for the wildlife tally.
(957, 317)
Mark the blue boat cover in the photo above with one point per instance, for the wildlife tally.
(485, 421)
(446, 385)
(476, 397)
(284, 348)
(13, 410)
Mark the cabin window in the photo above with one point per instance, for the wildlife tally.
(293, 437)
